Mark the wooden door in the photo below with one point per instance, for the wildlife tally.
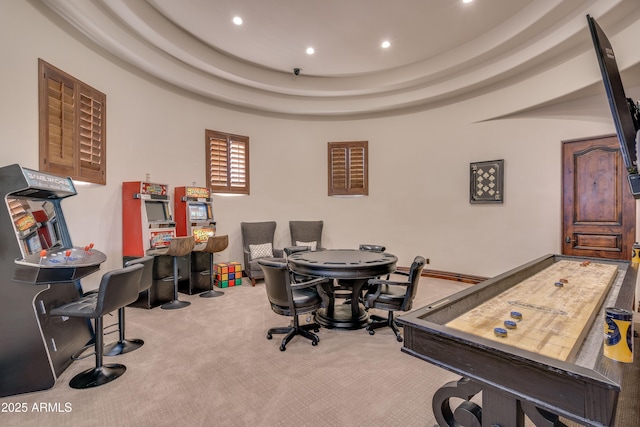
(598, 210)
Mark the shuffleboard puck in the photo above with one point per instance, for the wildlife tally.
(516, 315)
(500, 332)
(510, 324)
(559, 284)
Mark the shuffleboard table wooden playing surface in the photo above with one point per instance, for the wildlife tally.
(550, 362)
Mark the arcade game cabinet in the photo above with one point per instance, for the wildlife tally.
(147, 229)
(40, 269)
(193, 209)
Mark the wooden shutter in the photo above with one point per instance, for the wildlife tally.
(238, 164)
(91, 135)
(228, 162)
(348, 168)
(72, 127)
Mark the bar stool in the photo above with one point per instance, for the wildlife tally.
(118, 288)
(214, 244)
(178, 246)
(124, 345)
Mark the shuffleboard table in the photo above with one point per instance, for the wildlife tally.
(547, 364)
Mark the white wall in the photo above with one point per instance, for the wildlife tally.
(419, 162)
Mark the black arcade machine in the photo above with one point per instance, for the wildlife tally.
(40, 269)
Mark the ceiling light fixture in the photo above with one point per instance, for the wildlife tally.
(310, 51)
(385, 44)
(237, 20)
(467, 1)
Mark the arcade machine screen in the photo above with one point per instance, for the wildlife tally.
(156, 211)
(199, 212)
(626, 115)
(33, 244)
(35, 225)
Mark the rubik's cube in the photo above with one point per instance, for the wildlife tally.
(228, 274)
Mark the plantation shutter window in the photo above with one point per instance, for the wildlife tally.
(348, 168)
(227, 162)
(72, 126)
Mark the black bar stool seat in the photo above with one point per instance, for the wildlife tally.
(118, 288)
(124, 345)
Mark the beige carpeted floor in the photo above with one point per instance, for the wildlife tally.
(211, 365)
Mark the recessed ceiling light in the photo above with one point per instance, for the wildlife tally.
(467, 1)
(385, 44)
(237, 20)
(310, 51)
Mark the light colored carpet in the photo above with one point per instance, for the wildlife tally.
(210, 364)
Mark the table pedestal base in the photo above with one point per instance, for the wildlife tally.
(342, 318)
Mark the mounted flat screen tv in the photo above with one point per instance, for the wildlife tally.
(624, 110)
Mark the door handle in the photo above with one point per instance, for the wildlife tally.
(568, 240)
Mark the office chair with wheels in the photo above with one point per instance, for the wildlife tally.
(393, 296)
(291, 299)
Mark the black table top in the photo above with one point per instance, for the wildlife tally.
(343, 263)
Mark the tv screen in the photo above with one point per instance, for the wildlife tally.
(156, 211)
(622, 108)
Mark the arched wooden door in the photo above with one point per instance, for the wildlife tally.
(598, 210)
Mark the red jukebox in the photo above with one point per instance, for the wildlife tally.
(193, 210)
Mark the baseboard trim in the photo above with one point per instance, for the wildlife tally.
(446, 275)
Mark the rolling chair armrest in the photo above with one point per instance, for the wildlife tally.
(309, 283)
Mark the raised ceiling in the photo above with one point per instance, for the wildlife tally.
(441, 50)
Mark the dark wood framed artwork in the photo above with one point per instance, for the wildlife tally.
(487, 182)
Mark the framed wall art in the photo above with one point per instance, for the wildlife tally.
(487, 182)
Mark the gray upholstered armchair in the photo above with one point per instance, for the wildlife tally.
(303, 232)
(257, 242)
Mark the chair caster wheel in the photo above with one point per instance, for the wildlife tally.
(314, 343)
(399, 339)
(316, 330)
(372, 332)
(282, 348)
(269, 336)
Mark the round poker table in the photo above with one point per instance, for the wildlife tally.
(352, 269)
